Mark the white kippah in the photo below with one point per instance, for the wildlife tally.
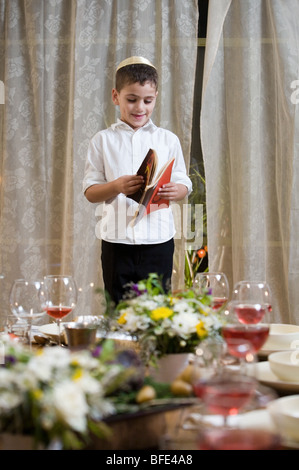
(134, 60)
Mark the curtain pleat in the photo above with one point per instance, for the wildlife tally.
(57, 62)
(249, 130)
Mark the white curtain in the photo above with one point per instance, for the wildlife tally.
(250, 139)
(57, 64)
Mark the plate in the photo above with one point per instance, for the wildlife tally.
(261, 419)
(51, 330)
(257, 419)
(282, 337)
(264, 375)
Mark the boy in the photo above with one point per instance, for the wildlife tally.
(130, 253)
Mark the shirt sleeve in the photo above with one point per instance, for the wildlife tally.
(179, 172)
(94, 166)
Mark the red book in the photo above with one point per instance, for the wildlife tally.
(147, 195)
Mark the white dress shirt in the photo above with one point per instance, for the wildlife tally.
(118, 151)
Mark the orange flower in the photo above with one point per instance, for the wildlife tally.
(201, 253)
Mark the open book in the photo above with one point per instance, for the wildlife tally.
(147, 195)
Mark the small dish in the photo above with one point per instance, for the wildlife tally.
(285, 365)
(264, 374)
(285, 415)
(282, 337)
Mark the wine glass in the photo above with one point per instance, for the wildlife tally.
(216, 284)
(25, 302)
(243, 326)
(249, 294)
(59, 297)
(225, 396)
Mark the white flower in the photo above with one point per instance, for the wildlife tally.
(134, 321)
(184, 323)
(212, 322)
(48, 361)
(70, 404)
(88, 384)
(9, 400)
(84, 360)
(100, 407)
(183, 306)
(26, 380)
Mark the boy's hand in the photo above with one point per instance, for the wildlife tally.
(173, 191)
(129, 184)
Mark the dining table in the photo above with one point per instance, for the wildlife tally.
(165, 424)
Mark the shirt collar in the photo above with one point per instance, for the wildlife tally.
(149, 125)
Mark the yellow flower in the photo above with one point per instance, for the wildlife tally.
(201, 330)
(122, 319)
(160, 313)
(37, 394)
(77, 374)
(203, 310)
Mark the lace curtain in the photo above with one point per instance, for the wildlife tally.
(57, 63)
(250, 137)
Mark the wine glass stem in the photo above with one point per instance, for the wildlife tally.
(30, 333)
(58, 327)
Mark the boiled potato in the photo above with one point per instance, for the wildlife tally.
(189, 374)
(146, 393)
(181, 388)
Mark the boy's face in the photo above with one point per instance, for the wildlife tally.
(136, 103)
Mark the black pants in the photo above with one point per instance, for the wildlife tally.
(122, 264)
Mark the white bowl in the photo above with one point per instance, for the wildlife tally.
(285, 414)
(285, 365)
(281, 337)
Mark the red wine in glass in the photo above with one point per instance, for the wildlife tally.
(250, 313)
(58, 312)
(218, 302)
(252, 292)
(225, 394)
(59, 297)
(255, 335)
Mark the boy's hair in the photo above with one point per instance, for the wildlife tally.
(134, 73)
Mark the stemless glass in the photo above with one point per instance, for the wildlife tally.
(249, 294)
(25, 302)
(59, 297)
(216, 284)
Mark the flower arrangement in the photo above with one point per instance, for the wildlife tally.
(166, 323)
(195, 261)
(55, 395)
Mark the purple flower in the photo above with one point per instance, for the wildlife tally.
(10, 360)
(97, 351)
(136, 290)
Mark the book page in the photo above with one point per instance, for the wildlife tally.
(147, 169)
(151, 201)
